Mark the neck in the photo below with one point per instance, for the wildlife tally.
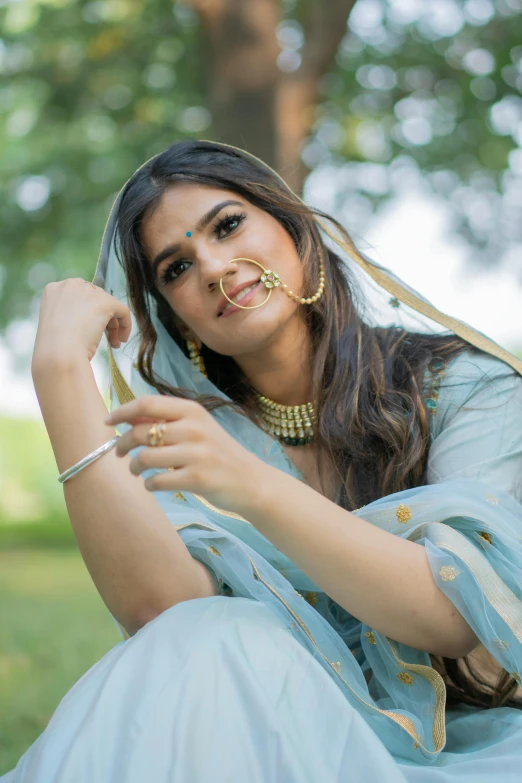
(281, 370)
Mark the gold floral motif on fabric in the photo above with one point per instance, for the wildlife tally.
(311, 597)
(214, 551)
(180, 496)
(486, 536)
(370, 636)
(448, 573)
(406, 678)
(403, 513)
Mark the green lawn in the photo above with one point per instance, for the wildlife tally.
(53, 627)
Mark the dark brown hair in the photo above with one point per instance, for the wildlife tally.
(368, 383)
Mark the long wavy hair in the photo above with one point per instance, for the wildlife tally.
(367, 382)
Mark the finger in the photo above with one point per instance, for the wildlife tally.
(158, 457)
(118, 330)
(121, 316)
(152, 407)
(137, 436)
(171, 480)
(113, 332)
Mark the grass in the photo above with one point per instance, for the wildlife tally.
(53, 627)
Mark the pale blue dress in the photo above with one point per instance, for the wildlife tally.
(257, 684)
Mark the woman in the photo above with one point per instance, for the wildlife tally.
(291, 449)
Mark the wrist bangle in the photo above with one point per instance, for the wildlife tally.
(100, 451)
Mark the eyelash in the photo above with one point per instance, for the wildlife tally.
(166, 278)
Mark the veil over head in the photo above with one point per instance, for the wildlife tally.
(409, 720)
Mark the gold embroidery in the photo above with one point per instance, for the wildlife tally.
(311, 597)
(220, 511)
(406, 678)
(370, 636)
(401, 720)
(403, 513)
(500, 644)
(438, 728)
(486, 537)
(501, 598)
(353, 652)
(337, 666)
(516, 676)
(492, 499)
(180, 495)
(214, 551)
(448, 573)
(415, 745)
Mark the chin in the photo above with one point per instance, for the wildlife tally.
(250, 332)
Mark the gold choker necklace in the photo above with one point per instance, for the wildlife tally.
(291, 424)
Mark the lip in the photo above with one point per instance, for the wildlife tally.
(234, 292)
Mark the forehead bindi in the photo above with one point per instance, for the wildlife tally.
(176, 216)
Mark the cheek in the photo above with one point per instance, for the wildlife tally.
(188, 306)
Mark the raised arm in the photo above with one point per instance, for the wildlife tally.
(136, 559)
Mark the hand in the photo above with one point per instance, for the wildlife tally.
(73, 317)
(205, 459)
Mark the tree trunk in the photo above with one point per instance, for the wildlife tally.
(254, 105)
(242, 72)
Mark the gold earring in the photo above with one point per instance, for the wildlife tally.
(196, 358)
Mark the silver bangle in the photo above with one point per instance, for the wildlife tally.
(67, 474)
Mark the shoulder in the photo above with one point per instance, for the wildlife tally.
(471, 379)
(477, 428)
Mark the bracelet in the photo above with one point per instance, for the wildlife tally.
(67, 474)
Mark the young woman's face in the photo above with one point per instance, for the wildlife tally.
(190, 240)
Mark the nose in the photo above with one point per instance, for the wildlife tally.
(213, 268)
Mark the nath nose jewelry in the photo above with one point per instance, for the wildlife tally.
(272, 280)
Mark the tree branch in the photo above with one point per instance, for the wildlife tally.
(324, 26)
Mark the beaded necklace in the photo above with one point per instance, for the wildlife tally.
(291, 424)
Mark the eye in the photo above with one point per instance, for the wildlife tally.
(225, 225)
(173, 271)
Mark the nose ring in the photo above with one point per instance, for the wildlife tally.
(268, 278)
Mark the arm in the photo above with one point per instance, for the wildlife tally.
(376, 576)
(136, 559)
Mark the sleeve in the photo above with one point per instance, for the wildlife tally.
(477, 427)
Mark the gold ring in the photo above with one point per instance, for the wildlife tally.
(242, 307)
(152, 436)
(161, 432)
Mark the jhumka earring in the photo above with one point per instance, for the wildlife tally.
(196, 358)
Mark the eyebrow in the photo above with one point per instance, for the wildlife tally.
(200, 225)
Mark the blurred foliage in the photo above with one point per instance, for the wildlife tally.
(92, 89)
(431, 90)
(53, 628)
(30, 495)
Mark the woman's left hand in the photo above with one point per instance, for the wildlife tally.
(203, 457)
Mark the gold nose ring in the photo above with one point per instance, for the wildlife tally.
(268, 278)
